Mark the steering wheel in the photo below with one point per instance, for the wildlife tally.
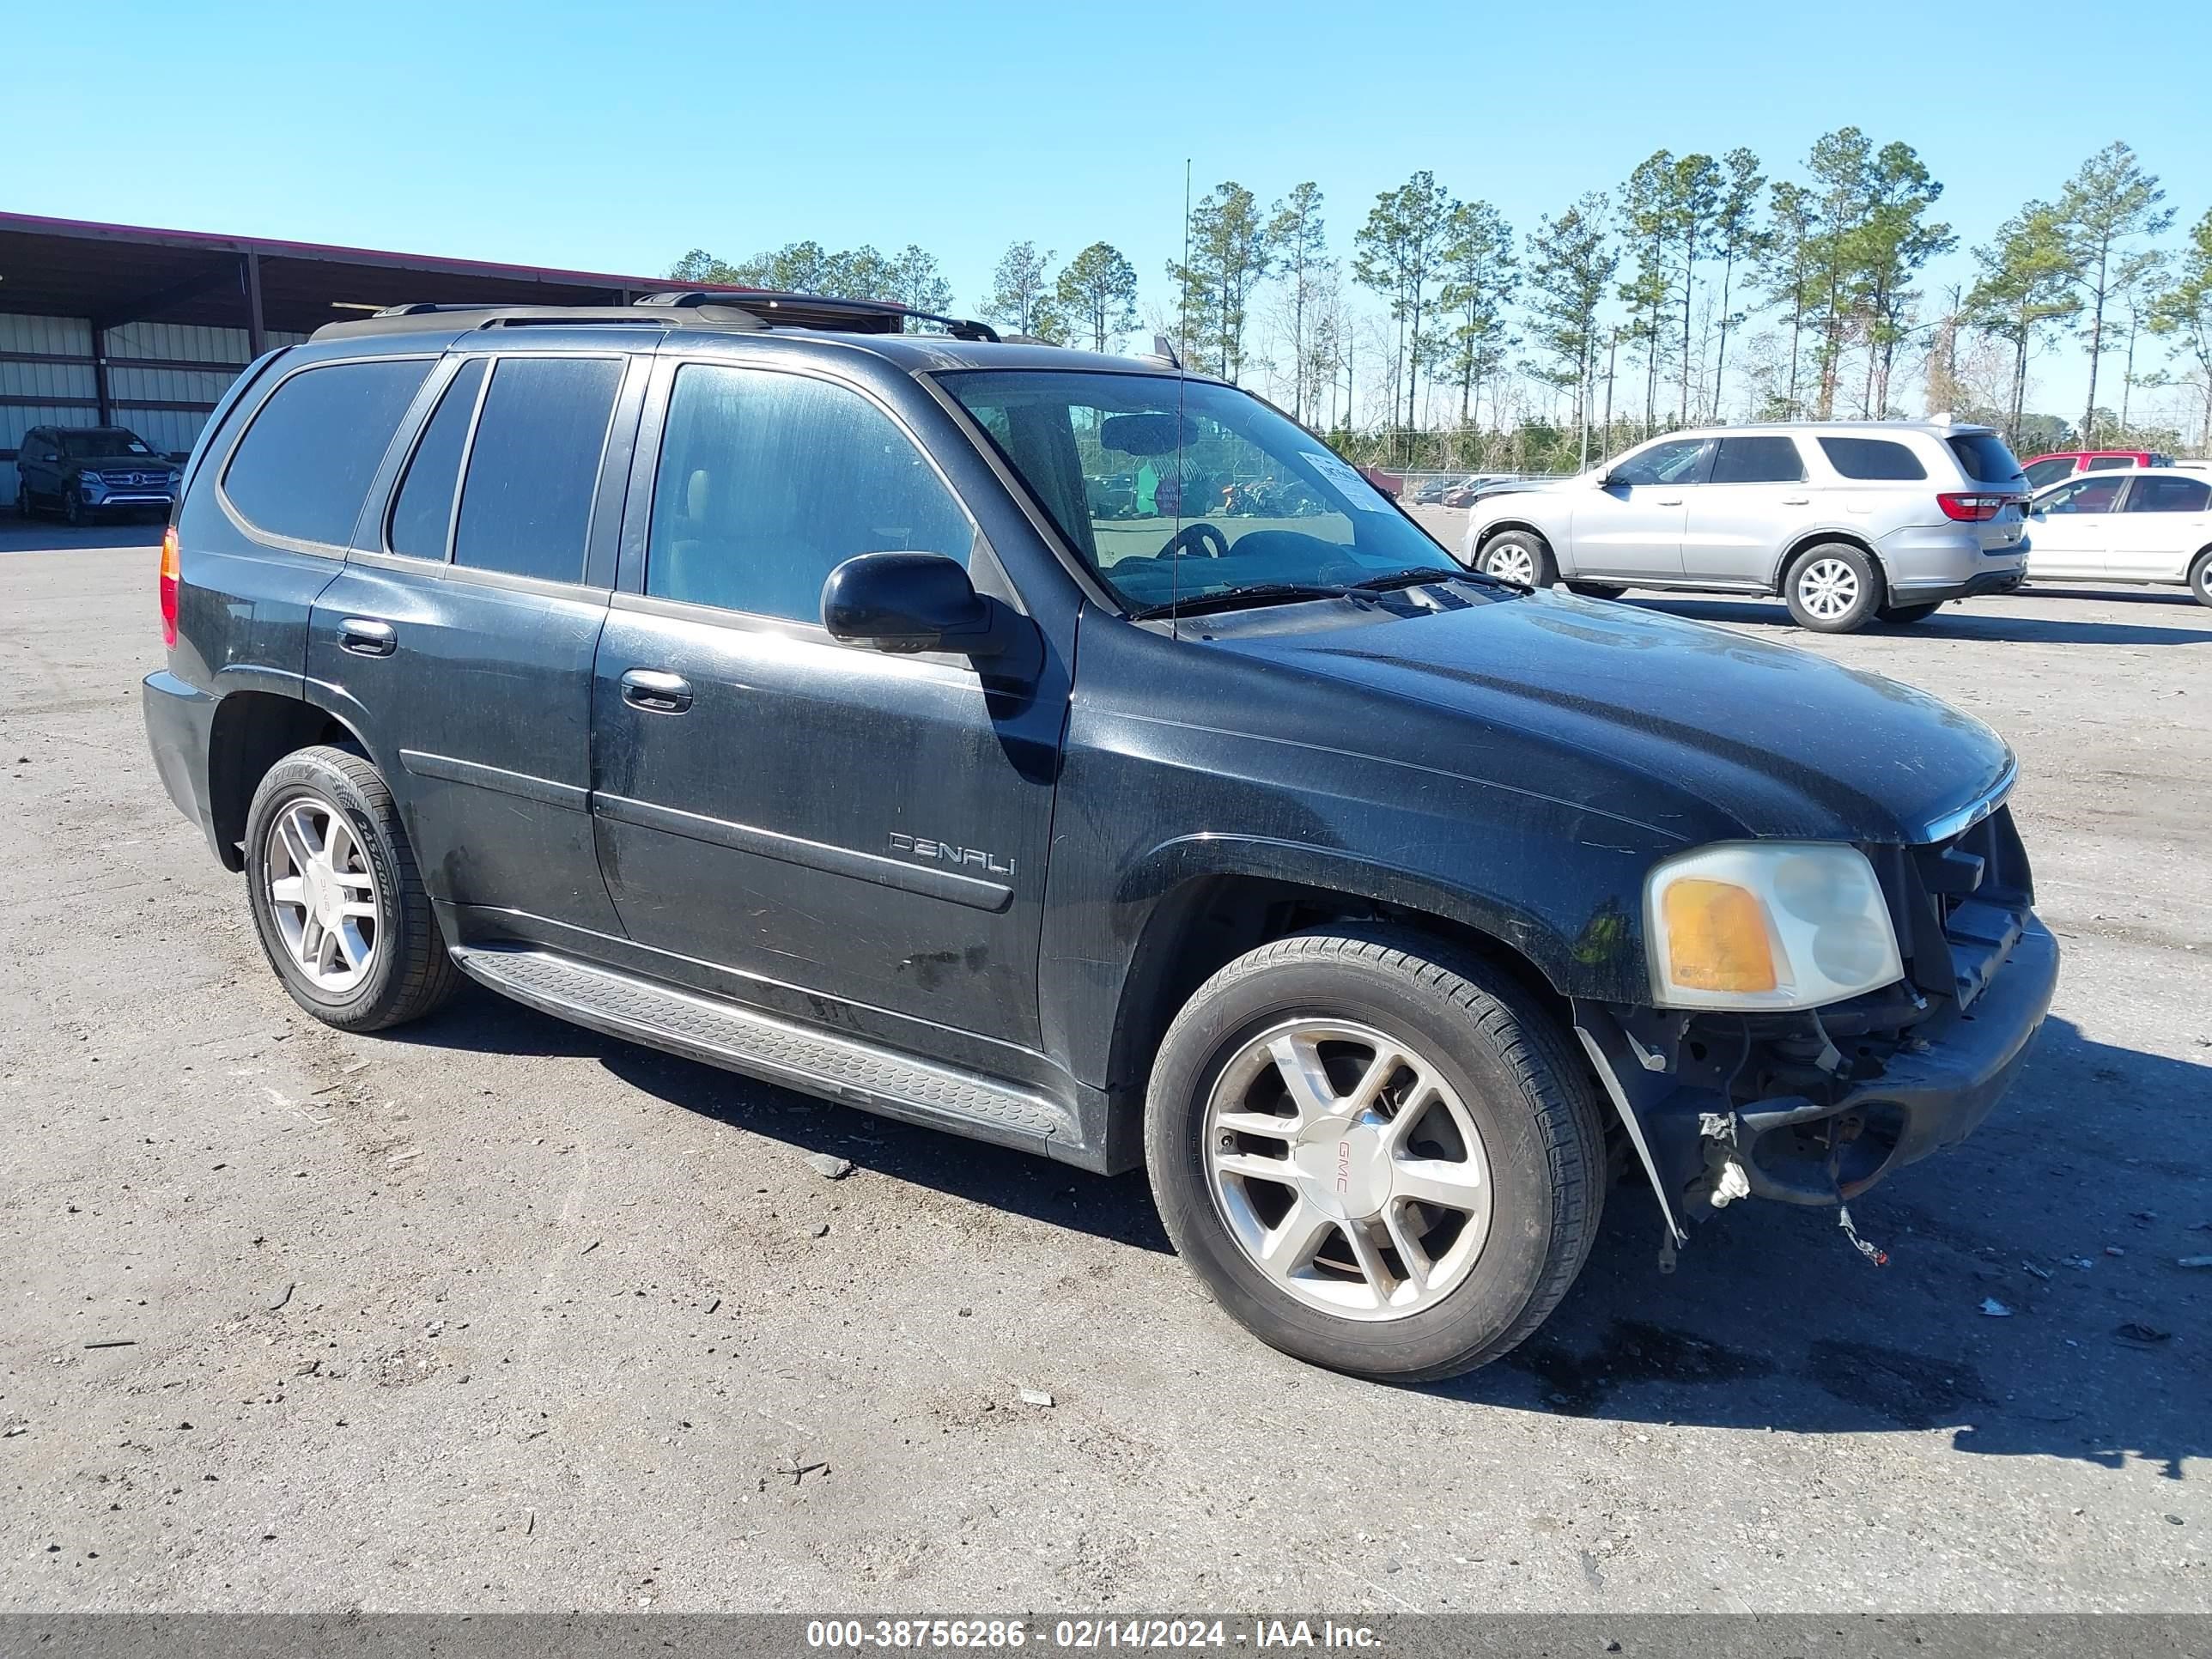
(1196, 531)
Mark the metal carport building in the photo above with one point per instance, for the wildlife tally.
(119, 324)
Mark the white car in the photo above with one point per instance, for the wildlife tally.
(1848, 521)
(2147, 524)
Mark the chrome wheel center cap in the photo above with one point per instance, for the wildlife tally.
(1343, 1167)
(322, 892)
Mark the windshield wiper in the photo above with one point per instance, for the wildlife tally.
(1230, 599)
(1411, 576)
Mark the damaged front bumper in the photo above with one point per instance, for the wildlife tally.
(1817, 1109)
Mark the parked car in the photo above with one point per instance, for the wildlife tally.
(1470, 490)
(1847, 522)
(2150, 525)
(84, 472)
(2041, 470)
(719, 688)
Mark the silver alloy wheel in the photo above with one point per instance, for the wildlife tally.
(1510, 561)
(1348, 1170)
(1828, 588)
(322, 893)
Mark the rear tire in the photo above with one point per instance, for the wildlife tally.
(1900, 614)
(1504, 1119)
(1596, 590)
(1832, 588)
(2200, 577)
(1518, 556)
(336, 899)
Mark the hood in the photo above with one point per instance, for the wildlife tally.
(1516, 487)
(1690, 728)
(122, 463)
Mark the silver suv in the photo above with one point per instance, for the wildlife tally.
(1848, 521)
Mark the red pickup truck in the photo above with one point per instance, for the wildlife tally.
(2043, 469)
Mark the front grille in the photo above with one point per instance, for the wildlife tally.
(1957, 904)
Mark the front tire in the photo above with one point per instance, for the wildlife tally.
(73, 509)
(2200, 577)
(1520, 556)
(1832, 588)
(337, 900)
(1377, 1153)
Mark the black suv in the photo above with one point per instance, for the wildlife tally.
(84, 472)
(788, 697)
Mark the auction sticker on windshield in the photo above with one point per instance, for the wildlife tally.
(1358, 492)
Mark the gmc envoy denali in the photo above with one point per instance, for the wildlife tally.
(944, 727)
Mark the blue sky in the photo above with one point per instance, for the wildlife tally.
(584, 135)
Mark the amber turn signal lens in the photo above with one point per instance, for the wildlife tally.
(169, 586)
(1716, 937)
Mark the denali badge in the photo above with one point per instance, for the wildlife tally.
(944, 852)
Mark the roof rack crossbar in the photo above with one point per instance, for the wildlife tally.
(762, 302)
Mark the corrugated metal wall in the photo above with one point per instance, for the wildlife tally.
(172, 430)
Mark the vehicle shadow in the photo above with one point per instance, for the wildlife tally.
(42, 535)
(1117, 1208)
(1953, 623)
(1771, 1321)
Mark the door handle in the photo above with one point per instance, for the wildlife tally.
(367, 638)
(1797, 500)
(1668, 501)
(655, 692)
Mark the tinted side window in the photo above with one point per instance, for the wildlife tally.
(1673, 462)
(1872, 458)
(424, 511)
(769, 481)
(2040, 473)
(1757, 460)
(305, 464)
(2169, 496)
(526, 504)
(2107, 462)
(1985, 458)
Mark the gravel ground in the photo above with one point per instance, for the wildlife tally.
(495, 1313)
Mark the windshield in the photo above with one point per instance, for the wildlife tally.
(1174, 490)
(103, 441)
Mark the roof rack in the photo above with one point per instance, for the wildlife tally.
(785, 309)
(716, 308)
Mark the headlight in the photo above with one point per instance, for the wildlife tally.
(1777, 925)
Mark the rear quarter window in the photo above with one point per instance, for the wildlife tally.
(1985, 457)
(1875, 459)
(304, 466)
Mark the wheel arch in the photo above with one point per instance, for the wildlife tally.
(1208, 918)
(1491, 533)
(250, 733)
(1813, 539)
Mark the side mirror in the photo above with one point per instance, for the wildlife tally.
(910, 602)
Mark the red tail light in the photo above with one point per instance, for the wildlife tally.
(1971, 509)
(169, 586)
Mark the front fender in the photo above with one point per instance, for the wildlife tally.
(1174, 864)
